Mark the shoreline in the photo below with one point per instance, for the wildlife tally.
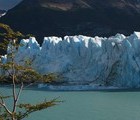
(59, 88)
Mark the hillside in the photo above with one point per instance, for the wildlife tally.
(72, 17)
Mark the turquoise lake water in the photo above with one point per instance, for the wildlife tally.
(90, 105)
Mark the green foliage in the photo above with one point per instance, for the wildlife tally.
(28, 108)
(51, 77)
(15, 73)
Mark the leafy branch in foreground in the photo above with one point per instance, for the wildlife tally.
(33, 108)
(16, 73)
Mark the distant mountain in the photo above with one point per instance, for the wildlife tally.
(70, 17)
(8, 4)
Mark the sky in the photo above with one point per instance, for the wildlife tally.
(8, 4)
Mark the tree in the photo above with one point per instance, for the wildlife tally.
(17, 74)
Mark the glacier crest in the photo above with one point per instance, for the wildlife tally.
(108, 61)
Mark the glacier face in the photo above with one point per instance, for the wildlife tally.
(108, 61)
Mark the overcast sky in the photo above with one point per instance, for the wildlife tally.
(7, 4)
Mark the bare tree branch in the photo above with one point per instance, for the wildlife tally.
(5, 107)
(9, 73)
(2, 103)
(19, 92)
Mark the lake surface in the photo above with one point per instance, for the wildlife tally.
(90, 105)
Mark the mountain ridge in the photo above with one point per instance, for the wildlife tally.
(6, 4)
(73, 17)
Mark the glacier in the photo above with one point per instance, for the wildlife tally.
(83, 60)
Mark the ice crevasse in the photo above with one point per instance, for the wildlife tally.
(108, 61)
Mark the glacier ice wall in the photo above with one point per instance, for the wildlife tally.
(111, 61)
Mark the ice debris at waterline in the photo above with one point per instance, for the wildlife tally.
(76, 87)
(107, 61)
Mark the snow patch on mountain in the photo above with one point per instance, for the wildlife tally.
(2, 14)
